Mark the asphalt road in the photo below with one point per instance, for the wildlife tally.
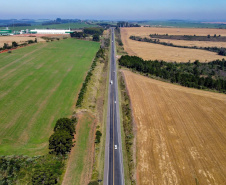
(113, 170)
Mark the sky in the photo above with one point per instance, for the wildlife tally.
(209, 10)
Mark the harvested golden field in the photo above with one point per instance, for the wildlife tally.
(144, 31)
(180, 133)
(195, 43)
(156, 51)
(9, 39)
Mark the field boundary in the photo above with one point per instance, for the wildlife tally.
(219, 51)
(129, 129)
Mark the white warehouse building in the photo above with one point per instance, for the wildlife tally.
(48, 31)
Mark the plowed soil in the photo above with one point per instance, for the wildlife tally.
(156, 51)
(181, 133)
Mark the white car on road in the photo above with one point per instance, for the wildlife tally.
(115, 147)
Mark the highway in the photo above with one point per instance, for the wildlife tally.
(113, 170)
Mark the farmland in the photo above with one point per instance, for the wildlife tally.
(143, 31)
(180, 132)
(39, 85)
(20, 40)
(195, 43)
(155, 51)
(53, 26)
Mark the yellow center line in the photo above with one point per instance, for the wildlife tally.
(113, 144)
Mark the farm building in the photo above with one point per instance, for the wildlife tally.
(49, 31)
(5, 32)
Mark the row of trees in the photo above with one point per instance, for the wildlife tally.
(95, 32)
(126, 24)
(220, 51)
(15, 44)
(214, 38)
(99, 54)
(190, 75)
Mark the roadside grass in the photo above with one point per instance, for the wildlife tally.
(103, 96)
(93, 103)
(125, 158)
(120, 51)
(119, 48)
(80, 154)
(39, 84)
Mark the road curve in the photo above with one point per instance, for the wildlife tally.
(113, 168)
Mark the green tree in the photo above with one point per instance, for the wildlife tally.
(14, 44)
(60, 142)
(5, 46)
(98, 136)
(96, 37)
(65, 124)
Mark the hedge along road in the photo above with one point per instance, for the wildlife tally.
(39, 85)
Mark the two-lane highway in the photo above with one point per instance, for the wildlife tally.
(113, 170)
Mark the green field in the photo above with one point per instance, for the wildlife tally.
(181, 24)
(53, 26)
(38, 85)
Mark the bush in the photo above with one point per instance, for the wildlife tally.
(30, 41)
(98, 136)
(44, 176)
(96, 37)
(14, 44)
(93, 183)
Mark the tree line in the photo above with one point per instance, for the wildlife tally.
(220, 51)
(95, 32)
(185, 74)
(126, 24)
(15, 44)
(99, 54)
(214, 38)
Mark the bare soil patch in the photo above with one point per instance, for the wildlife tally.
(181, 133)
(155, 51)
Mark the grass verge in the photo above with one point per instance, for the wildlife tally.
(80, 157)
(128, 141)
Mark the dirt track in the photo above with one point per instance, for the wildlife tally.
(181, 133)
